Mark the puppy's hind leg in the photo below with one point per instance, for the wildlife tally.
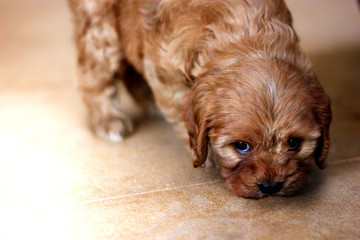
(100, 66)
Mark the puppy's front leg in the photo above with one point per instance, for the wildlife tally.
(106, 118)
(99, 60)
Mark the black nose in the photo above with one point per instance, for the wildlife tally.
(270, 187)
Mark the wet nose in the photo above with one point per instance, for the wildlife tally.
(270, 187)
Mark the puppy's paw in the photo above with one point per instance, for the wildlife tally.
(113, 129)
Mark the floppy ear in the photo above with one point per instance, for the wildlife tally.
(197, 129)
(323, 144)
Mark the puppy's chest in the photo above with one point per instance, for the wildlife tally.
(169, 89)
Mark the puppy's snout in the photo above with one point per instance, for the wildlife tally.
(270, 187)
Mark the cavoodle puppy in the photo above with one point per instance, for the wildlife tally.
(228, 74)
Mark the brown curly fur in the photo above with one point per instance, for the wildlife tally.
(221, 71)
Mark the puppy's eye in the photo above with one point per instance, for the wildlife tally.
(242, 147)
(294, 143)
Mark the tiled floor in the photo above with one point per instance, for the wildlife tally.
(57, 181)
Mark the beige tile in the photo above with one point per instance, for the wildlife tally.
(328, 209)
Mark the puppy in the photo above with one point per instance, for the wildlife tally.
(228, 74)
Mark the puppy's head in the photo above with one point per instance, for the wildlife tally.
(266, 121)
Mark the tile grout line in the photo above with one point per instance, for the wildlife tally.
(345, 160)
(143, 193)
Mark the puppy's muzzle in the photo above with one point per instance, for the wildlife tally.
(270, 187)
